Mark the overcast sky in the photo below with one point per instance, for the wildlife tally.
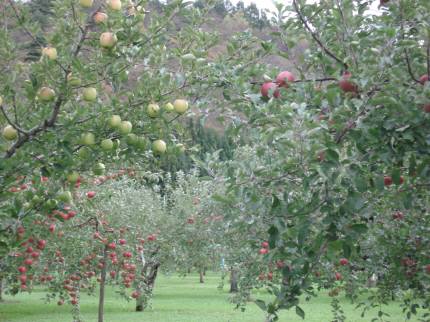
(269, 3)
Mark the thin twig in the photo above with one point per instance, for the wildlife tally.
(315, 37)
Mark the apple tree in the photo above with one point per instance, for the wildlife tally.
(340, 147)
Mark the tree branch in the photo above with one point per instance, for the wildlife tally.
(315, 36)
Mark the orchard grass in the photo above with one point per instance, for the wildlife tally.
(177, 299)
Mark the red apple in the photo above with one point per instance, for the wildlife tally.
(41, 244)
(91, 194)
(22, 269)
(338, 276)
(284, 78)
(122, 241)
(28, 262)
(346, 85)
(424, 79)
(268, 88)
(426, 108)
(265, 244)
(112, 246)
(135, 294)
(388, 181)
(263, 251)
(343, 261)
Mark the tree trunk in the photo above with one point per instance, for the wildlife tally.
(142, 301)
(102, 286)
(204, 271)
(1, 289)
(233, 281)
(189, 270)
(201, 275)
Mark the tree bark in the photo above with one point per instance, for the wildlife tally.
(233, 281)
(1, 289)
(202, 280)
(149, 281)
(102, 287)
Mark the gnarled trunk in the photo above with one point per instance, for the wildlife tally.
(102, 286)
(1, 289)
(234, 276)
(201, 273)
(149, 281)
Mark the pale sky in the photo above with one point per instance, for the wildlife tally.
(268, 4)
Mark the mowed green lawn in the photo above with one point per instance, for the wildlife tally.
(176, 299)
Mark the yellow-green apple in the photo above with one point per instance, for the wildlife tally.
(88, 139)
(132, 139)
(180, 105)
(152, 110)
(99, 169)
(10, 133)
(115, 4)
(108, 39)
(107, 144)
(65, 196)
(114, 121)
(125, 127)
(46, 94)
(159, 146)
(169, 107)
(73, 177)
(50, 52)
(89, 94)
(86, 3)
(73, 81)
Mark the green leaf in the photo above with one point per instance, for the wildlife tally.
(261, 304)
(300, 312)
(359, 228)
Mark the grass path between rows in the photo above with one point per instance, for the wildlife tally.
(177, 299)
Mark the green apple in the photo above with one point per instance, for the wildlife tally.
(84, 152)
(89, 94)
(46, 94)
(115, 4)
(88, 139)
(125, 127)
(132, 139)
(108, 40)
(180, 105)
(73, 81)
(114, 121)
(180, 147)
(51, 203)
(73, 177)
(188, 58)
(10, 133)
(159, 147)
(201, 61)
(86, 3)
(50, 52)
(141, 143)
(169, 107)
(153, 110)
(107, 144)
(99, 169)
(65, 196)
